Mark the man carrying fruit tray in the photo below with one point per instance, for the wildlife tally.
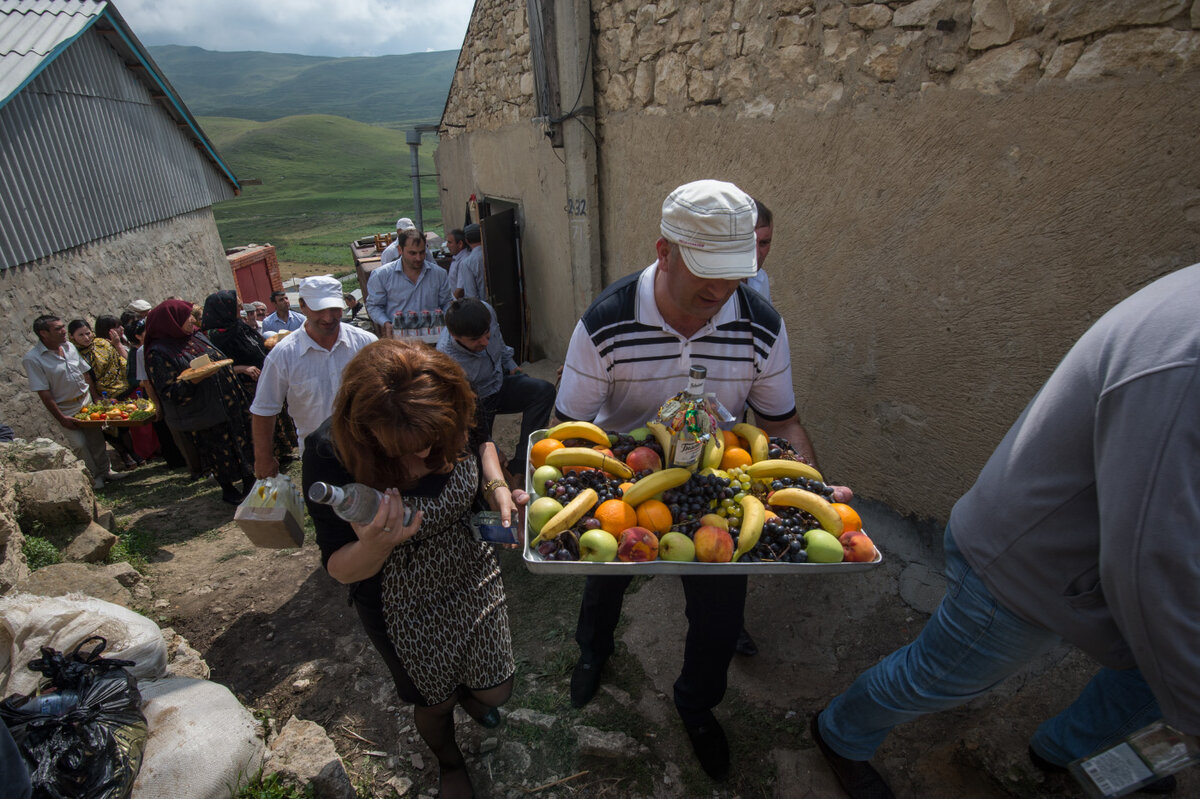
(633, 349)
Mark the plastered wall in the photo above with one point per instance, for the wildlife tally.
(178, 257)
(960, 188)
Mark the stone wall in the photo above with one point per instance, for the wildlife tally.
(960, 188)
(181, 257)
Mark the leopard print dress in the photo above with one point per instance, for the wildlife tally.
(443, 597)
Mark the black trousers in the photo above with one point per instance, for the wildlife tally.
(529, 396)
(715, 608)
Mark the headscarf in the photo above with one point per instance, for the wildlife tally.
(164, 327)
(220, 310)
(229, 333)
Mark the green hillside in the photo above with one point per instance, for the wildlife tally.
(395, 90)
(326, 180)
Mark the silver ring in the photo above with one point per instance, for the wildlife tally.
(387, 529)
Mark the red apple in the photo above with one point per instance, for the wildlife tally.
(638, 545)
(713, 544)
(642, 458)
(858, 548)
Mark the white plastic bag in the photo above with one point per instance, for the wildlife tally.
(272, 514)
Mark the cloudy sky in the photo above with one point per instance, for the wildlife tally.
(308, 27)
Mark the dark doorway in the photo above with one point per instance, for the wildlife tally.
(505, 277)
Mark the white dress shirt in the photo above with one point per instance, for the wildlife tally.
(307, 376)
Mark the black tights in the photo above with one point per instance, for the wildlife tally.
(435, 723)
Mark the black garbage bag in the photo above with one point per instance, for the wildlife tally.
(83, 734)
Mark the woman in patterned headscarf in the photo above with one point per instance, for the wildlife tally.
(214, 412)
(429, 595)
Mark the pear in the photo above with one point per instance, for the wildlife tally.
(823, 547)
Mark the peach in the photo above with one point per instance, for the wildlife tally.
(713, 544)
(638, 545)
(858, 548)
(642, 458)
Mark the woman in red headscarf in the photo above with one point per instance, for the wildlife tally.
(213, 412)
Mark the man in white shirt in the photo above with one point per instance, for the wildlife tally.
(284, 317)
(304, 369)
(63, 382)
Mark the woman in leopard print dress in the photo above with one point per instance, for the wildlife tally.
(429, 595)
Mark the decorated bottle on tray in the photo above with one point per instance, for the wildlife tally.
(689, 418)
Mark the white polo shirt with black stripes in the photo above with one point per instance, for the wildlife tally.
(624, 360)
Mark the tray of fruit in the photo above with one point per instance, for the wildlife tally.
(119, 413)
(603, 504)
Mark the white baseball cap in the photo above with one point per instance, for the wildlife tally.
(404, 223)
(322, 292)
(713, 224)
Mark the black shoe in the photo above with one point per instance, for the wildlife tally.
(1166, 785)
(711, 747)
(232, 496)
(491, 719)
(858, 778)
(585, 681)
(745, 644)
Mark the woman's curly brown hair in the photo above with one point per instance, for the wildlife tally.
(398, 398)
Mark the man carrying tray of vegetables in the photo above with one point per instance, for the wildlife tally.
(632, 350)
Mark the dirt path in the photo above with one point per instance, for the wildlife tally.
(277, 630)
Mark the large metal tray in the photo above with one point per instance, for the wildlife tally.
(538, 565)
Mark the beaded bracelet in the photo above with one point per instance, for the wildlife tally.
(490, 487)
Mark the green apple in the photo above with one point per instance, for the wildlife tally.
(639, 434)
(597, 545)
(541, 511)
(823, 547)
(676, 546)
(540, 475)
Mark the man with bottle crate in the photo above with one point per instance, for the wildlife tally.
(410, 284)
(631, 351)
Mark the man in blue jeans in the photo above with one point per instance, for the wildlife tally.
(1083, 526)
(472, 337)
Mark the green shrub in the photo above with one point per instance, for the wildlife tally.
(40, 552)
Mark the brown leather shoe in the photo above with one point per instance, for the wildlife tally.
(858, 778)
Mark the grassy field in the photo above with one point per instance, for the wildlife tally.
(325, 181)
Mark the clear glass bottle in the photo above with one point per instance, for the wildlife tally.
(426, 322)
(398, 325)
(687, 417)
(1143, 757)
(439, 321)
(355, 502)
(413, 326)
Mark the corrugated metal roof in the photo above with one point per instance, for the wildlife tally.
(33, 32)
(96, 141)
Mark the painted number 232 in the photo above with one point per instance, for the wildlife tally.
(576, 207)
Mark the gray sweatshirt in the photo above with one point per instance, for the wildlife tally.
(1086, 518)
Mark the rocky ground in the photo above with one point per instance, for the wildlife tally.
(277, 630)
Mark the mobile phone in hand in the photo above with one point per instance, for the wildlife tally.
(486, 526)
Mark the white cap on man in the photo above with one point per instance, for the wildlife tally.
(320, 293)
(140, 306)
(404, 223)
(713, 224)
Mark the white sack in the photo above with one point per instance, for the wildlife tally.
(29, 622)
(203, 743)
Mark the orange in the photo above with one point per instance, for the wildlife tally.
(539, 451)
(625, 487)
(731, 439)
(654, 516)
(734, 457)
(616, 516)
(851, 521)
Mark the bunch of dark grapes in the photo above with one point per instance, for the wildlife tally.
(782, 539)
(623, 445)
(564, 547)
(567, 487)
(781, 449)
(701, 494)
(815, 486)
